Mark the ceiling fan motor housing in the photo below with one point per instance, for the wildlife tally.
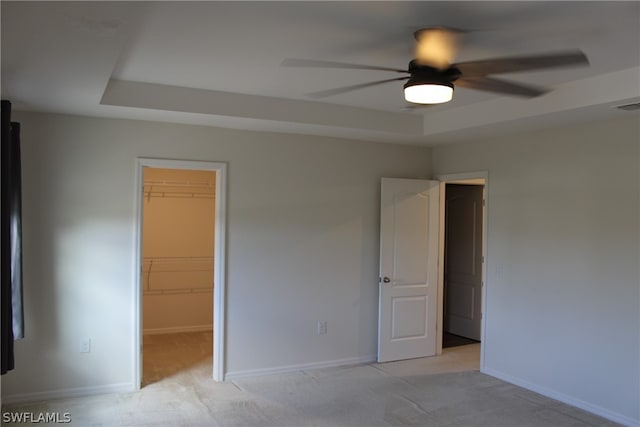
(429, 85)
(424, 74)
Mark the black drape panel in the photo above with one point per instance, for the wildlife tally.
(16, 233)
(12, 324)
(6, 310)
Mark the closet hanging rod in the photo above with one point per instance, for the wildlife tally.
(178, 258)
(198, 290)
(191, 195)
(152, 183)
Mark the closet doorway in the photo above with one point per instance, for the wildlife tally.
(180, 282)
(462, 263)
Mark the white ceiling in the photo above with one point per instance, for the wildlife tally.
(218, 63)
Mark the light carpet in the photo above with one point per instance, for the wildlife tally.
(439, 391)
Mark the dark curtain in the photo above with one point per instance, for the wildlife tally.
(12, 325)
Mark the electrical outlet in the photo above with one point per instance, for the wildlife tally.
(322, 327)
(85, 345)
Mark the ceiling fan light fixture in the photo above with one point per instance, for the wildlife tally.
(428, 92)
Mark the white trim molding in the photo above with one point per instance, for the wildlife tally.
(564, 398)
(68, 392)
(219, 263)
(475, 178)
(302, 367)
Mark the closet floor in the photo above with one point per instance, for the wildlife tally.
(165, 355)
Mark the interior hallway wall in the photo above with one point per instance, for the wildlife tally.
(563, 285)
(302, 246)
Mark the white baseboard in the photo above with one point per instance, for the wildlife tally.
(67, 392)
(176, 329)
(302, 367)
(569, 400)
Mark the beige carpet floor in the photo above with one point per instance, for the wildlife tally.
(165, 355)
(439, 391)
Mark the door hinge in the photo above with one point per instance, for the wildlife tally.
(484, 202)
(482, 259)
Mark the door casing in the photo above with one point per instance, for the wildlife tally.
(481, 177)
(219, 260)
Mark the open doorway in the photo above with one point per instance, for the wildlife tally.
(462, 306)
(178, 229)
(412, 231)
(462, 259)
(181, 259)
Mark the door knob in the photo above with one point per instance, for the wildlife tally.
(386, 279)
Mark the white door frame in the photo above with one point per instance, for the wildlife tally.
(219, 259)
(461, 178)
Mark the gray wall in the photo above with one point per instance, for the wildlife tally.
(303, 225)
(562, 290)
(563, 297)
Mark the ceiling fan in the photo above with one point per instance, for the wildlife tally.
(432, 76)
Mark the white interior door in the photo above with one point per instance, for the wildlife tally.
(463, 260)
(408, 269)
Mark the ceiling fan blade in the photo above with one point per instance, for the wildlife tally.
(491, 84)
(414, 107)
(339, 90)
(522, 63)
(312, 63)
(437, 47)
